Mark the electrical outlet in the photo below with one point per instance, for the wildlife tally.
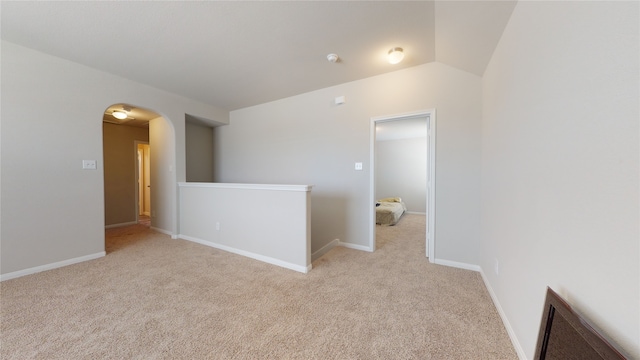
(496, 267)
(218, 226)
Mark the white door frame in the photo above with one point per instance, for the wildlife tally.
(138, 175)
(430, 114)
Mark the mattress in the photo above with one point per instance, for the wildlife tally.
(389, 211)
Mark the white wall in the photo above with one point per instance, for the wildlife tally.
(163, 177)
(52, 210)
(560, 163)
(401, 171)
(270, 223)
(306, 139)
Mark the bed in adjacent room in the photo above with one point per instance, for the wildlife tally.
(389, 210)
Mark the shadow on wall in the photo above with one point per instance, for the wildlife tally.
(337, 216)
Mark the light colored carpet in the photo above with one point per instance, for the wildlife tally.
(156, 298)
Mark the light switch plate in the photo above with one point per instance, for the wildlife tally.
(89, 165)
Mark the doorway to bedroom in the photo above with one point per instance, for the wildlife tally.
(143, 182)
(402, 174)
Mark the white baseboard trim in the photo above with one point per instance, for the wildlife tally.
(120, 225)
(355, 246)
(325, 249)
(456, 264)
(55, 265)
(416, 213)
(266, 259)
(166, 232)
(505, 320)
(494, 298)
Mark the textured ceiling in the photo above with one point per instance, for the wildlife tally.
(234, 54)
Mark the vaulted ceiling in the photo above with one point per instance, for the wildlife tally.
(234, 54)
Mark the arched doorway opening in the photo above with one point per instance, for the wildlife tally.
(128, 165)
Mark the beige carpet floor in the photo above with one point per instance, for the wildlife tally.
(152, 297)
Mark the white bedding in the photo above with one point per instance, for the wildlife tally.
(389, 211)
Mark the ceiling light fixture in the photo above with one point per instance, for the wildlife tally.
(119, 115)
(395, 55)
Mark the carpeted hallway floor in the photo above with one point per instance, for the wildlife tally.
(156, 298)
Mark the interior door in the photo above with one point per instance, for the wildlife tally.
(147, 179)
(144, 179)
(140, 179)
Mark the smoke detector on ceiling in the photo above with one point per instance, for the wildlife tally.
(332, 58)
